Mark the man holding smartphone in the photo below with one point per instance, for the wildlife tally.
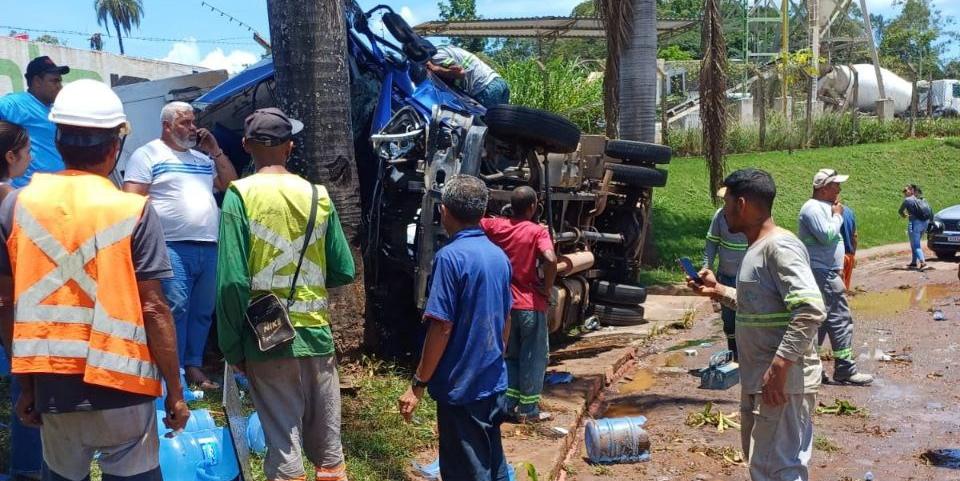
(728, 247)
(180, 171)
(779, 310)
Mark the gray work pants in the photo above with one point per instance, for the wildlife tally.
(777, 441)
(298, 400)
(838, 325)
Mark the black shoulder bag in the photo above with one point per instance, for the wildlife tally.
(267, 315)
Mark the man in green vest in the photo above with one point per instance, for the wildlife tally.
(262, 228)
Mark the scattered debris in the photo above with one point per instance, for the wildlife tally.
(560, 430)
(899, 358)
(877, 431)
(554, 377)
(823, 443)
(708, 417)
(938, 315)
(934, 375)
(706, 344)
(724, 454)
(690, 352)
(841, 407)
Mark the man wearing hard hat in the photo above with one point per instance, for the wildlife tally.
(92, 337)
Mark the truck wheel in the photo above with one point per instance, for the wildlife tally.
(613, 293)
(619, 315)
(631, 152)
(636, 176)
(533, 127)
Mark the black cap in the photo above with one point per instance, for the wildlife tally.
(42, 65)
(270, 127)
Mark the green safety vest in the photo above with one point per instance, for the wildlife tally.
(277, 206)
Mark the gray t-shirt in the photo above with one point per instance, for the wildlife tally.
(779, 309)
(478, 74)
(820, 230)
(726, 245)
(59, 393)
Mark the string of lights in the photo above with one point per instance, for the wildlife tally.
(214, 41)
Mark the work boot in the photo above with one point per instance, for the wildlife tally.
(859, 379)
(824, 379)
(336, 473)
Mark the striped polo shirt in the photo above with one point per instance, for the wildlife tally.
(181, 190)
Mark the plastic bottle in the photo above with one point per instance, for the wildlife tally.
(868, 476)
(617, 440)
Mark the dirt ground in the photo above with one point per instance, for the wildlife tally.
(911, 408)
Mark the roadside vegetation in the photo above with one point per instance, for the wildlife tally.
(682, 210)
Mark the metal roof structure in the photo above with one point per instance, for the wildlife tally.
(545, 28)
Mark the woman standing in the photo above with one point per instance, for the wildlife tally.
(913, 208)
(14, 153)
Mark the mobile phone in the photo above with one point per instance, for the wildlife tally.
(691, 271)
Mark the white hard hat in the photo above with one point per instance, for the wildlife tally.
(88, 103)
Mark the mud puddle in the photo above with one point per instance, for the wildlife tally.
(888, 303)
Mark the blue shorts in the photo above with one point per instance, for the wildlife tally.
(470, 445)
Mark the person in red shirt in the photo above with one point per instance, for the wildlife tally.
(526, 243)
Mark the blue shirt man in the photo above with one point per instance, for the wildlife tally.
(462, 360)
(30, 110)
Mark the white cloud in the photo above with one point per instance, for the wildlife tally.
(188, 52)
(408, 15)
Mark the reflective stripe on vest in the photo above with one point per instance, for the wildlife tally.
(71, 337)
(276, 239)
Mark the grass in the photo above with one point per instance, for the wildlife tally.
(682, 210)
(377, 444)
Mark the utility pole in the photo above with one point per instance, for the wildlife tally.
(873, 53)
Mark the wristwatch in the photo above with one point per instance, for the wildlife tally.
(417, 383)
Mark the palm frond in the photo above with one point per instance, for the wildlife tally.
(617, 19)
(713, 86)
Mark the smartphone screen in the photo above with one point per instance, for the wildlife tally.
(688, 268)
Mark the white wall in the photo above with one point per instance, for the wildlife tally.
(15, 54)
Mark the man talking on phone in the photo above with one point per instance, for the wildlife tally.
(180, 171)
(779, 310)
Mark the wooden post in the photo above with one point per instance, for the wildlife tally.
(855, 101)
(664, 118)
(762, 114)
(929, 96)
(914, 99)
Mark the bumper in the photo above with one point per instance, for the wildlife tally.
(944, 241)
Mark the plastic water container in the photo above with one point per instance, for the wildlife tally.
(617, 440)
(256, 440)
(202, 452)
(188, 395)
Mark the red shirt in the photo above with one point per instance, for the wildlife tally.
(524, 242)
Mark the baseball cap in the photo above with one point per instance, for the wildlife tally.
(270, 127)
(42, 65)
(823, 177)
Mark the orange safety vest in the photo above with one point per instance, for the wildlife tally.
(77, 307)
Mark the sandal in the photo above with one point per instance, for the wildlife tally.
(196, 377)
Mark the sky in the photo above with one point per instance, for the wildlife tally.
(188, 32)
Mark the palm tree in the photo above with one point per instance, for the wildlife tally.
(713, 98)
(125, 14)
(638, 75)
(308, 39)
(617, 18)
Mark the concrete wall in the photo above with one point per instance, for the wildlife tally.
(113, 69)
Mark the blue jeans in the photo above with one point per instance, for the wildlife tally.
(915, 230)
(495, 93)
(527, 354)
(191, 294)
(729, 316)
(470, 444)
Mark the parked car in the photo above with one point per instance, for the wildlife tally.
(943, 237)
(412, 131)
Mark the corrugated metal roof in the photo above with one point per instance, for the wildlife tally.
(539, 27)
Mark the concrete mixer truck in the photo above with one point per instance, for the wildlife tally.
(835, 89)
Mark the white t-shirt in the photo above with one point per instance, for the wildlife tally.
(181, 190)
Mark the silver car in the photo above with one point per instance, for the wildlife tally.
(943, 237)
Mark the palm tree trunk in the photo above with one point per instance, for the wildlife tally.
(116, 26)
(638, 75)
(713, 98)
(313, 85)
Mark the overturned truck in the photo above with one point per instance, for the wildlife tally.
(412, 131)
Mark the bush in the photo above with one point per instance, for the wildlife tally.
(564, 87)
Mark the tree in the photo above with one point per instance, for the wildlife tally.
(952, 69)
(617, 19)
(462, 10)
(50, 39)
(125, 14)
(638, 75)
(713, 97)
(919, 35)
(309, 47)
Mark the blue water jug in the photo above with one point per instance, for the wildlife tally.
(256, 440)
(202, 452)
(617, 440)
(188, 395)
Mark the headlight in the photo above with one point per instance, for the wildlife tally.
(936, 225)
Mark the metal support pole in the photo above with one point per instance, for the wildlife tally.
(873, 48)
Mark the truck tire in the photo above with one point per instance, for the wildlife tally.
(533, 127)
(619, 315)
(945, 254)
(631, 152)
(636, 176)
(622, 294)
